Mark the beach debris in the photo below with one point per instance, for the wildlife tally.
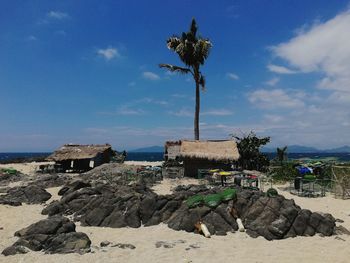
(205, 230)
(55, 234)
(105, 243)
(30, 194)
(192, 246)
(164, 244)
(240, 225)
(123, 246)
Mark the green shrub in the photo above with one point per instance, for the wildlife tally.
(283, 173)
(271, 192)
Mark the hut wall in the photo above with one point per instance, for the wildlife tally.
(64, 165)
(101, 158)
(172, 151)
(81, 165)
(192, 165)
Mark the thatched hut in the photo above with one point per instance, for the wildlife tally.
(218, 154)
(74, 157)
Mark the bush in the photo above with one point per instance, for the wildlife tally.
(283, 173)
(271, 192)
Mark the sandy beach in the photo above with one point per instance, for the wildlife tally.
(162, 244)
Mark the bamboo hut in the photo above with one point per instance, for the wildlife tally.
(195, 155)
(74, 157)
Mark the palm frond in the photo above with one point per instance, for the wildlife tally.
(174, 68)
(173, 42)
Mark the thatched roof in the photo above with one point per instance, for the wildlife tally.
(76, 152)
(210, 150)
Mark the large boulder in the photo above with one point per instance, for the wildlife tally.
(31, 194)
(55, 234)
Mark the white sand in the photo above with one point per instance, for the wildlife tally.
(25, 168)
(235, 247)
(143, 163)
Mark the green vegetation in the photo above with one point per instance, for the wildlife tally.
(282, 155)
(249, 149)
(284, 172)
(9, 171)
(192, 51)
(271, 192)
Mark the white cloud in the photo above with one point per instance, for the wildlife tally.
(277, 98)
(183, 112)
(108, 53)
(150, 75)
(273, 118)
(126, 110)
(280, 69)
(217, 112)
(324, 48)
(233, 76)
(57, 15)
(272, 82)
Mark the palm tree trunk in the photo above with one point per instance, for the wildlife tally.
(196, 113)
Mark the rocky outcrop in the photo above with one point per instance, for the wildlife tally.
(277, 217)
(53, 235)
(136, 205)
(31, 194)
(51, 180)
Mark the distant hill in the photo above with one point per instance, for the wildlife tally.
(151, 149)
(306, 149)
(343, 149)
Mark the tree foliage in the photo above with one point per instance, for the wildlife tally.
(192, 51)
(249, 149)
(282, 155)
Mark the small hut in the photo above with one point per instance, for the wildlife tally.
(195, 155)
(74, 157)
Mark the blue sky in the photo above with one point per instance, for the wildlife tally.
(86, 72)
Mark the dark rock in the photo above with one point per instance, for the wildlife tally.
(301, 222)
(30, 194)
(53, 208)
(185, 218)
(105, 243)
(340, 230)
(106, 205)
(55, 234)
(73, 242)
(327, 225)
(123, 246)
(13, 250)
(50, 180)
(216, 224)
(73, 186)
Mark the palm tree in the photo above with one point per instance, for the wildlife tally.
(192, 51)
(282, 154)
